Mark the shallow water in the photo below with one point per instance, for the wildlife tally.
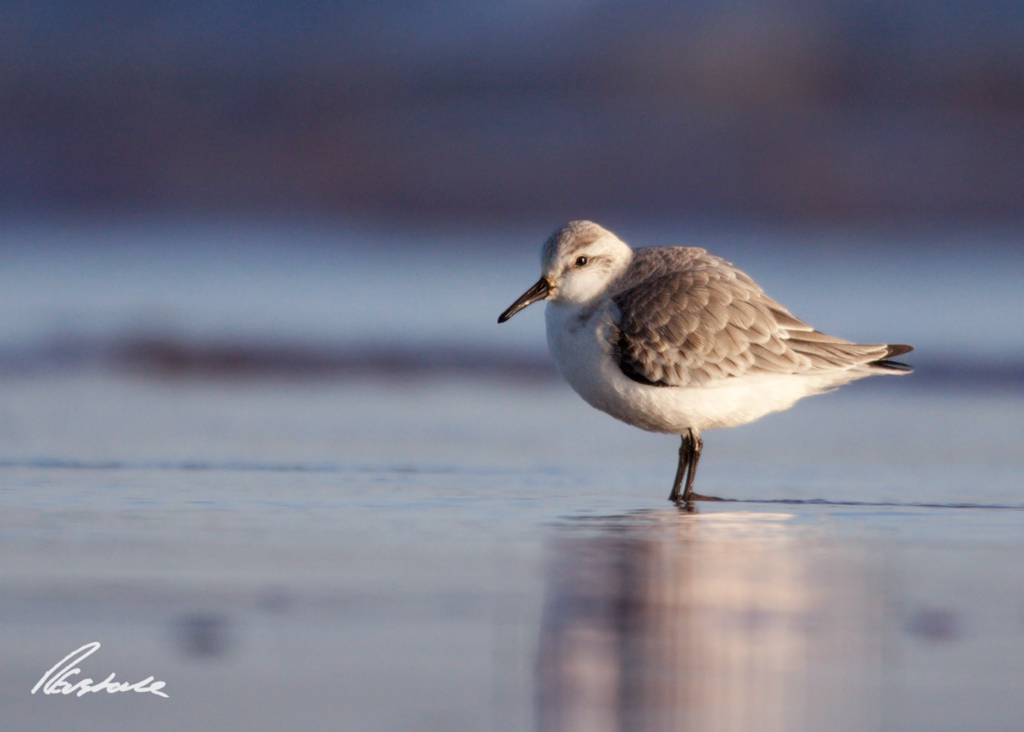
(451, 555)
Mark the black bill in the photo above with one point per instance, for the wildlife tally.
(539, 291)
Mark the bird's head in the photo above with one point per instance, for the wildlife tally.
(578, 263)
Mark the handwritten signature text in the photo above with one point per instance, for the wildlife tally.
(56, 680)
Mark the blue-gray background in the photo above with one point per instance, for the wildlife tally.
(162, 157)
(261, 436)
(795, 110)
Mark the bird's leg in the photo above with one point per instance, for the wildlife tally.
(689, 455)
(696, 444)
(681, 470)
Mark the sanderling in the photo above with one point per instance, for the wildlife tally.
(676, 340)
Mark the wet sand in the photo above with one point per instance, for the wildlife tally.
(438, 554)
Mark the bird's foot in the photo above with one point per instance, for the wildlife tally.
(686, 504)
(691, 497)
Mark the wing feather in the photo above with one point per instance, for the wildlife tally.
(688, 318)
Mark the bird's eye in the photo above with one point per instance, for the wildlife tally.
(582, 261)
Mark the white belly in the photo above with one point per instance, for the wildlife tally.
(582, 351)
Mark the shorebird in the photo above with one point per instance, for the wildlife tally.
(679, 341)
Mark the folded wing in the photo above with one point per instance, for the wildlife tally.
(688, 318)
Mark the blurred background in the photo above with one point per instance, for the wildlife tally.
(161, 163)
(788, 111)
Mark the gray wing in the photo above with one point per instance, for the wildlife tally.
(689, 318)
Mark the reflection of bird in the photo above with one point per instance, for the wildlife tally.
(673, 339)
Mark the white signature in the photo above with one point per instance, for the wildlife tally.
(55, 680)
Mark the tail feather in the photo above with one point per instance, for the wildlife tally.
(895, 349)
